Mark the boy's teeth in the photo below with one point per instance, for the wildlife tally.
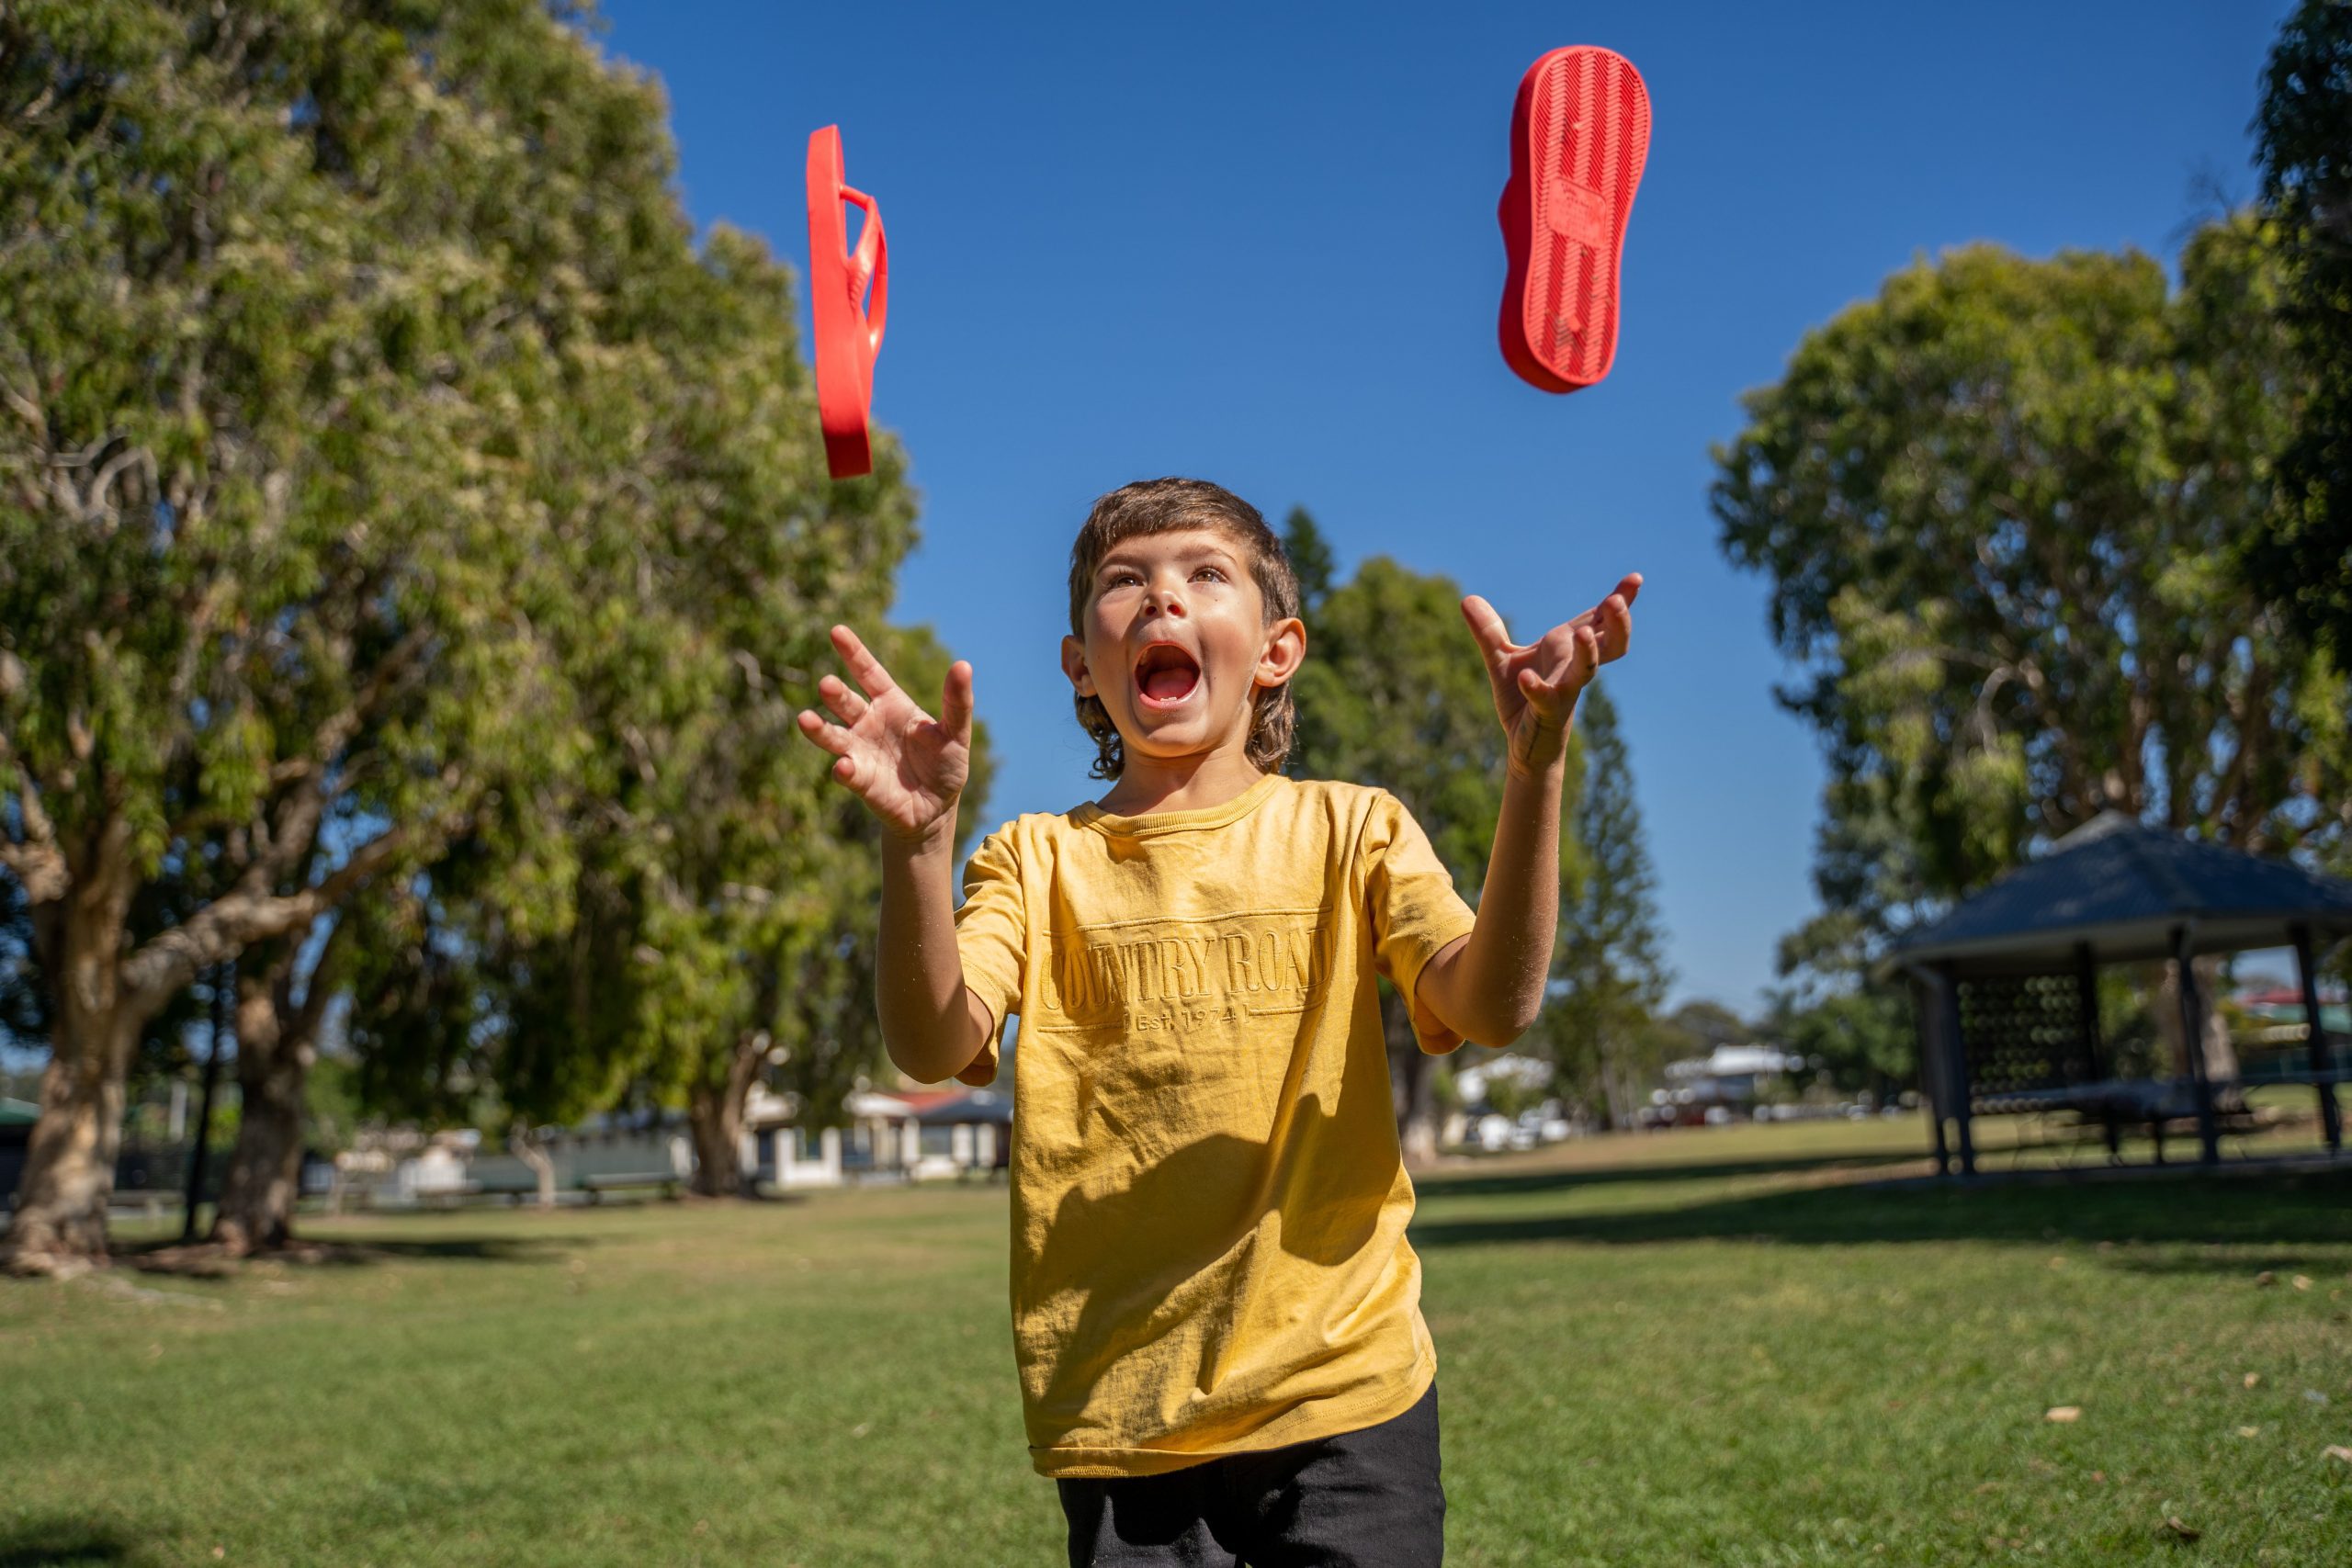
(1168, 683)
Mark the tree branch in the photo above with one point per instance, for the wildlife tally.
(38, 864)
(27, 410)
(320, 989)
(390, 672)
(236, 919)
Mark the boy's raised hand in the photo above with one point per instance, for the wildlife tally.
(1536, 684)
(907, 766)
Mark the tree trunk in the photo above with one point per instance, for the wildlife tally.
(1412, 1078)
(103, 990)
(276, 1045)
(524, 1144)
(2221, 1053)
(257, 1196)
(714, 1117)
(59, 1225)
(1620, 1098)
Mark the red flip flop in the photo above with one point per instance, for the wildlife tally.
(1579, 135)
(848, 335)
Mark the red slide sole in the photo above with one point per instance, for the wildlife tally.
(847, 335)
(1579, 135)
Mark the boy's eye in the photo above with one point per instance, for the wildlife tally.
(1212, 574)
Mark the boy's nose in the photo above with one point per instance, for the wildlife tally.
(1161, 600)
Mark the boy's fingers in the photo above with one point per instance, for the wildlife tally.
(955, 702)
(1618, 625)
(833, 737)
(862, 666)
(1486, 625)
(847, 705)
(1558, 650)
(1581, 658)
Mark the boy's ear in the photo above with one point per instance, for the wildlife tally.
(1285, 652)
(1074, 666)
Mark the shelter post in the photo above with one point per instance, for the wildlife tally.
(2192, 1032)
(2094, 1049)
(1956, 1062)
(1931, 1067)
(2322, 1054)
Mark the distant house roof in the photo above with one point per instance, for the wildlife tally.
(2123, 889)
(934, 1107)
(967, 1107)
(18, 1112)
(921, 1099)
(1735, 1061)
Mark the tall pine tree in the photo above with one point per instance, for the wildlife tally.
(1609, 978)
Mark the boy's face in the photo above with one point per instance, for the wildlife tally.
(1176, 644)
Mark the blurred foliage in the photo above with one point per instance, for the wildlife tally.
(2302, 557)
(23, 1008)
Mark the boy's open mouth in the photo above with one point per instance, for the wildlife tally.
(1166, 674)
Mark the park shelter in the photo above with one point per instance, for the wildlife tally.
(2004, 985)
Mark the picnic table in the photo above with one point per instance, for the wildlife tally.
(2109, 1105)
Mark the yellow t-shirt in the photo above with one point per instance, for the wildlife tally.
(1208, 1201)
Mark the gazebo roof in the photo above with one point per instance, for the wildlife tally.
(2124, 889)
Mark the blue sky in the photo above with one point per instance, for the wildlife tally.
(1258, 244)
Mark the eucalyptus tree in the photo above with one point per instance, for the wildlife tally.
(1999, 506)
(291, 297)
(714, 887)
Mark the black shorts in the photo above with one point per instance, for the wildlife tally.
(1364, 1499)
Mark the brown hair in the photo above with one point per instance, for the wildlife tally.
(1161, 506)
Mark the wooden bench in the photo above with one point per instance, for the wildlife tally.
(667, 1181)
(151, 1202)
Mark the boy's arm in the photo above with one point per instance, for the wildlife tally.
(932, 1023)
(910, 769)
(1488, 987)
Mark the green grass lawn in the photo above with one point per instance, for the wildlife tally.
(1712, 1347)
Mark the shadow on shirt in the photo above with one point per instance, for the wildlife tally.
(1219, 1227)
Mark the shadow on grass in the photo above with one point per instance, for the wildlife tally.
(1440, 1184)
(2237, 1211)
(40, 1546)
(460, 1249)
(204, 1262)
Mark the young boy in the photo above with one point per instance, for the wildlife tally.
(1216, 1314)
